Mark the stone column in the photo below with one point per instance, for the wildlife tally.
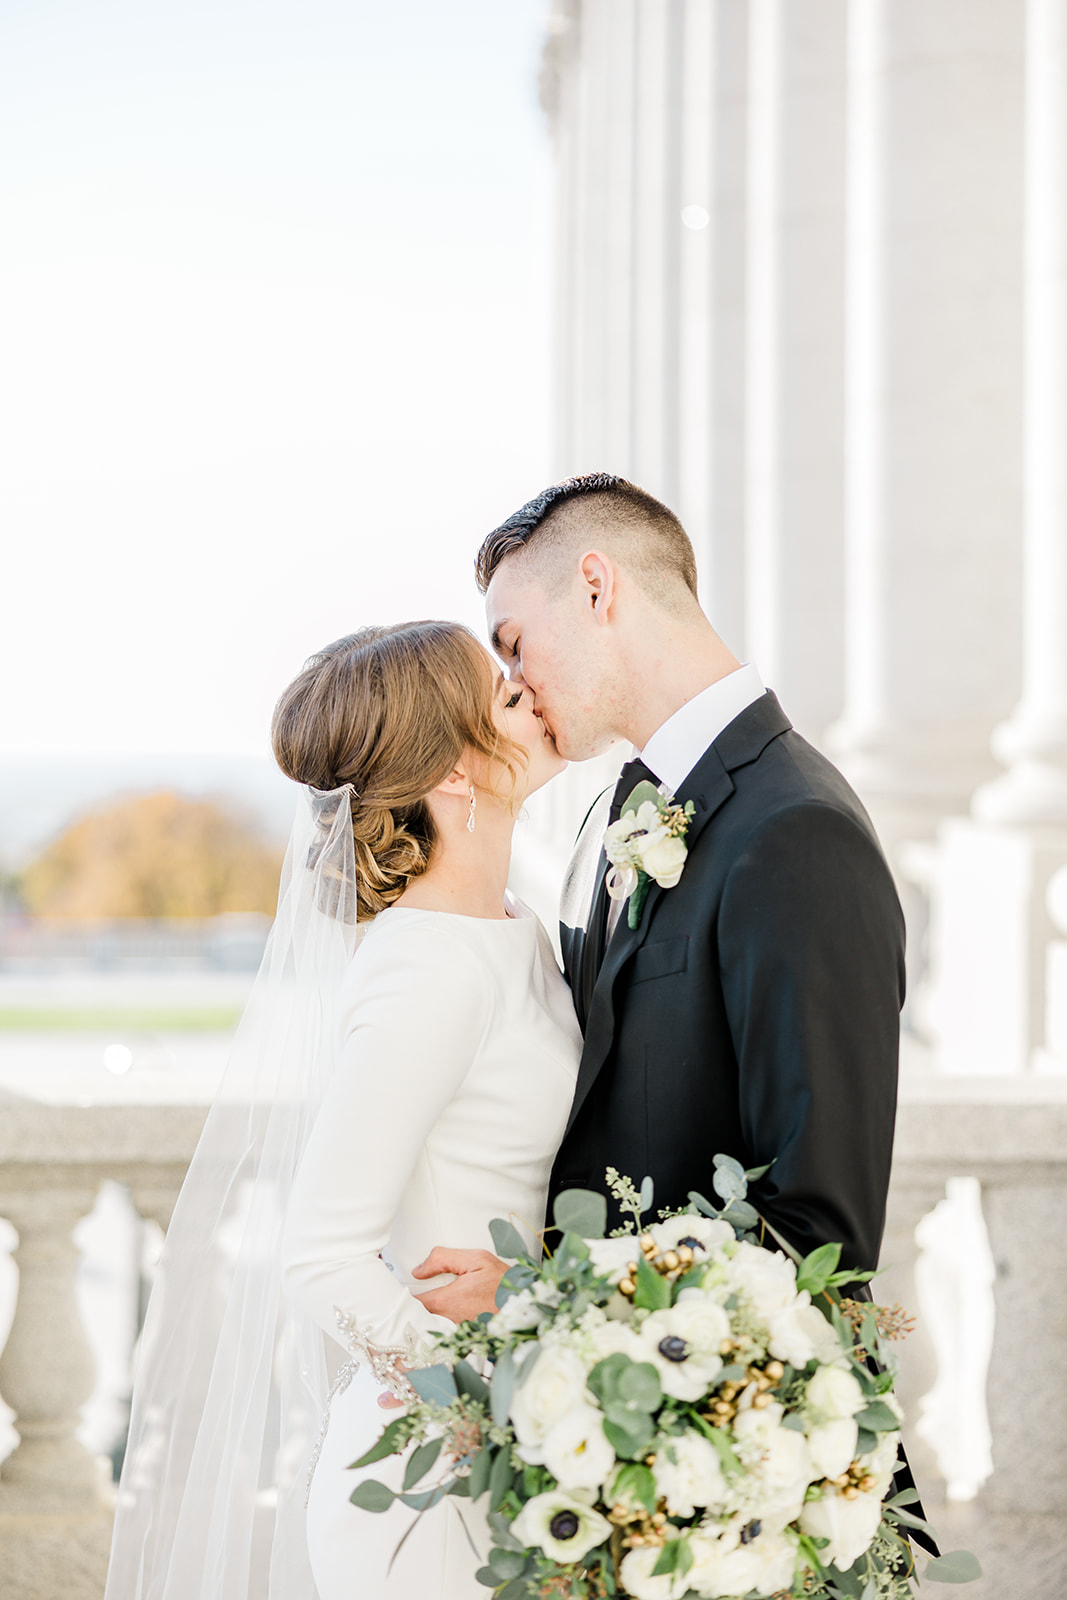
(994, 939)
(711, 303)
(933, 388)
(795, 354)
(1033, 743)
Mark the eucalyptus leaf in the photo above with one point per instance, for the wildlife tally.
(705, 1207)
(435, 1384)
(500, 1528)
(675, 1558)
(502, 1387)
(370, 1495)
(723, 1163)
(639, 1386)
(648, 1190)
(638, 796)
(629, 1433)
(866, 1441)
(486, 1577)
(581, 1211)
(506, 1563)
(469, 1383)
(878, 1417)
(956, 1566)
(421, 1460)
(507, 1240)
(755, 1173)
(635, 1482)
(728, 1185)
(500, 1477)
(741, 1214)
(515, 1589)
(479, 1473)
(423, 1500)
(387, 1445)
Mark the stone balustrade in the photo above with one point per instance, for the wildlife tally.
(1008, 1136)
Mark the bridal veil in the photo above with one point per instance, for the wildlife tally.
(231, 1382)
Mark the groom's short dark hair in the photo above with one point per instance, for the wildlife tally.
(595, 501)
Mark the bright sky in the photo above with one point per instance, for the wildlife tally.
(273, 344)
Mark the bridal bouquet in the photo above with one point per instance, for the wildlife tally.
(671, 1411)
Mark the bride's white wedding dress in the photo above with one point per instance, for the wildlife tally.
(451, 1096)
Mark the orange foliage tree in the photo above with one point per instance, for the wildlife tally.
(154, 855)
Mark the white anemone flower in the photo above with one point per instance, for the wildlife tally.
(565, 1526)
(683, 1343)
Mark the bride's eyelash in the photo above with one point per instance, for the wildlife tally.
(513, 701)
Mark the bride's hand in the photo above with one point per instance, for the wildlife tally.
(478, 1275)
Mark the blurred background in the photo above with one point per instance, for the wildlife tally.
(299, 302)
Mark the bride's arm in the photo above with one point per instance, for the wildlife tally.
(410, 1037)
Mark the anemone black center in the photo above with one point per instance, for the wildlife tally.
(752, 1531)
(694, 1244)
(564, 1525)
(673, 1348)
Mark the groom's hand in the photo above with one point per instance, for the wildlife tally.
(478, 1275)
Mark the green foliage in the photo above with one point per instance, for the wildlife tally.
(675, 1559)
(435, 1384)
(956, 1566)
(653, 1292)
(420, 1461)
(814, 1271)
(507, 1240)
(581, 1211)
(370, 1495)
(502, 1387)
(393, 1439)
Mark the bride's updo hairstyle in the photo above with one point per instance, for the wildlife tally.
(391, 711)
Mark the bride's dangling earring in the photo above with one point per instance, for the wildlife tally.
(470, 813)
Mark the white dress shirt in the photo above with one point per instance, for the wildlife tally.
(676, 746)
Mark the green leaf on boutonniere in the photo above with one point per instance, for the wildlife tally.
(636, 903)
(644, 791)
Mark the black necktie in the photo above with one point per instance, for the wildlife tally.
(596, 934)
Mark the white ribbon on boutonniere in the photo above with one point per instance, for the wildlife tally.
(646, 845)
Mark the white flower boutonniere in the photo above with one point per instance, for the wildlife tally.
(646, 844)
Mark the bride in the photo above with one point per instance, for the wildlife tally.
(403, 1075)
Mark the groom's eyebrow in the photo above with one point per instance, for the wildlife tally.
(495, 639)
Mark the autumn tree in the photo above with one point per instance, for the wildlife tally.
(154, 855)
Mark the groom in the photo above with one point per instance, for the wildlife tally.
(754, 1009)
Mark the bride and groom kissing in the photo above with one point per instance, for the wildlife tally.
(748, 1004)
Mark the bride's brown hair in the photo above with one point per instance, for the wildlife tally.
(391, 711)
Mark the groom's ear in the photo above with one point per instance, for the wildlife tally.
(598, 576)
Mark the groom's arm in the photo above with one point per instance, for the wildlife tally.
(811, 942)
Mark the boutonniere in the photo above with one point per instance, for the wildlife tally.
(646, 844)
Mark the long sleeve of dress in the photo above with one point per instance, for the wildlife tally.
(414, 1020)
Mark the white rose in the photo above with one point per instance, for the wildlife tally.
(832, 1394)
(555, 1386)
(688, 1474)
(563, 1525)
(637, 1580)
(832, 1446)
(850, 1525)
(789, 1331)
(610, 1257)
(826, 1345)
(519, 1312)
(703, 1234)
(766, 1279)
(576, 1451)
(741, 1559)
(777, 1456)
(683, 1344)
(663, 858)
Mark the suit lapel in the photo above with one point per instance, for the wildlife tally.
(709, 786)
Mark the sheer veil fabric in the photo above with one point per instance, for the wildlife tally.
(231, 1381)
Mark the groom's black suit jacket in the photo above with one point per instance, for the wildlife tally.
(755, 1009)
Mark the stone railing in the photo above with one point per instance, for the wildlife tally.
(989, 1394)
